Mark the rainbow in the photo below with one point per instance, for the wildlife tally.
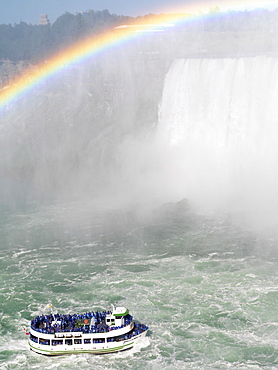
(73, 55)
(92, 46)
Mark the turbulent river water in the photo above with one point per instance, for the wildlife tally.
(206, 288)
(178, 225)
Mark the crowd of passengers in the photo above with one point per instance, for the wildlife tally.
(54, 323)
(138, 329)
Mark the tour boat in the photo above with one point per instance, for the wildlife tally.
(91, 332)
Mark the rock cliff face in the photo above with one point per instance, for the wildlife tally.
(69, 134)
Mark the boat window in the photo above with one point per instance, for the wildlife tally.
(57, 342)
(68, 342)
(87, 341)
(33, 338)
(77, 341)
(45, 341)
(118, 338)
(98, 340)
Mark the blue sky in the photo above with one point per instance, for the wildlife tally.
(29, 11)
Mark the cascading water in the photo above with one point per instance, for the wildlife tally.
(215, 141)
(218, 126)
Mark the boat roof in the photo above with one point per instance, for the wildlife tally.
(120, 311)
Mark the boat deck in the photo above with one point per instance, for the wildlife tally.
(89, 322)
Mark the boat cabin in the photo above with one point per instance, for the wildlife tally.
(116, 317)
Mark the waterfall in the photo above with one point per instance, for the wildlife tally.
(215, 141)
(219, 129)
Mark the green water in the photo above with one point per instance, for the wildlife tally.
(206, 288)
